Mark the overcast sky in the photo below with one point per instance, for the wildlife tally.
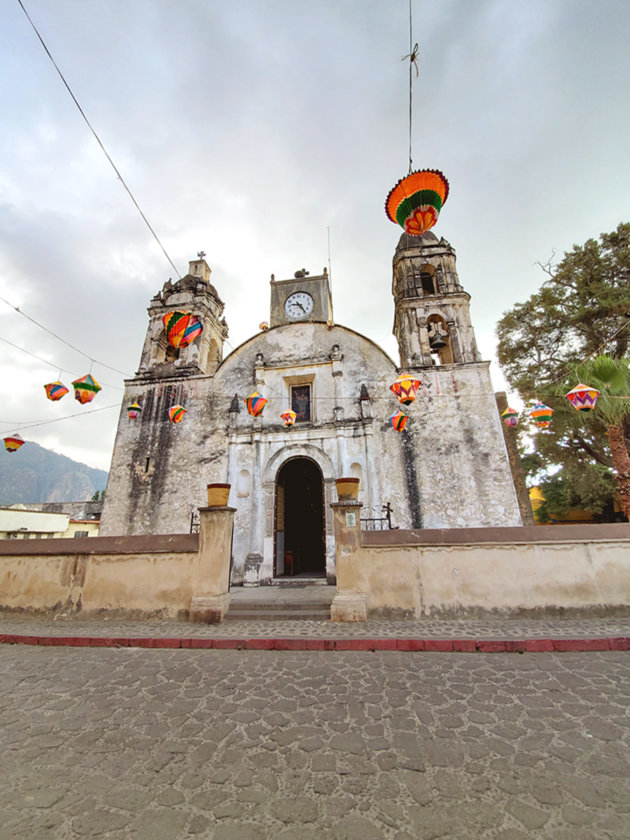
(246, 128)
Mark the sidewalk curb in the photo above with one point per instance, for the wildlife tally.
(408, 645)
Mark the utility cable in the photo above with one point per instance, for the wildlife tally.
(98, 140)
(23, 426)
(52, 364)
(59, 338)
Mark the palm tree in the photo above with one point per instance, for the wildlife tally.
(612, 378)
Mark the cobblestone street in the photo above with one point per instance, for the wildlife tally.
(243, 745)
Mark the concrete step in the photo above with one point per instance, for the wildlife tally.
(270, 614)
(271, 603)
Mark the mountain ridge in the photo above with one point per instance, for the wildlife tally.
(36, 474)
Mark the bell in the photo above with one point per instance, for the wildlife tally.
(437, 341)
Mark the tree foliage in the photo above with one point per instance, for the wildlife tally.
(581, 311)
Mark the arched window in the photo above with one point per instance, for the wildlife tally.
(439, 340)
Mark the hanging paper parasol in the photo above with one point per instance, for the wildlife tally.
(288, 417)
(13, 442)
(176, 413)
(55, 390)
(405, 388)
(583, 397)
(134, 410)
(85, 389)
(399, 420)
(541, 415)
(181, 328)
(255, 404)
(510, 416)
(415, 202)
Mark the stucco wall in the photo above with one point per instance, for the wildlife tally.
(91, 575)
(481, 571)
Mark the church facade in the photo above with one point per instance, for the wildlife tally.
(448, 469)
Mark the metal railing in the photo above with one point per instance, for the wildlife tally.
(378, 523)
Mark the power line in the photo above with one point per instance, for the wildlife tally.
(59, 338)
(98, 140)
(23, 426)
(52, 364)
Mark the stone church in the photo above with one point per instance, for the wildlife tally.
(448, 469)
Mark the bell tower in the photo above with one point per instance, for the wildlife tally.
(192, 294)
(432, 311)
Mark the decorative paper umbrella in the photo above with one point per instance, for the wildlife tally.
(263, 326)
(55, 390)
(541, 415)
(405, 388)
(510, 416)
(13, 442)
(288, 417)
(255, 403)
(134, 410)
(181, 328)
(415, 202)
(176, 413)
(85, 389)
(399, 420)
(583, 397)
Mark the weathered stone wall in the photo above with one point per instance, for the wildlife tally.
(476, 572)
(448, 469)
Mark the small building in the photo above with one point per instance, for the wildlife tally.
(22, 522)
(448, 469)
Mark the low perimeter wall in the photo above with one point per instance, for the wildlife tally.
(397, 574)
(124, 576)
(477, 572)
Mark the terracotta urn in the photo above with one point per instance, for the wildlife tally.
(218, 495)
(347, 489)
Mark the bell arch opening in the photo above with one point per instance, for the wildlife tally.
(299, 539)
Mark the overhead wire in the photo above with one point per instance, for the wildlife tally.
(23, 426)
(51, 364)
(59, 338)
(99, 141)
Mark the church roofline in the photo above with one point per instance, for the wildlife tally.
(261, 334)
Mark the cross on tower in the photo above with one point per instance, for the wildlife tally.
(201, 254)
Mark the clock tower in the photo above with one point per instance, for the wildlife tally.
(302, 298)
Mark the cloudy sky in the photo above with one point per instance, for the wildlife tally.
(248, 128)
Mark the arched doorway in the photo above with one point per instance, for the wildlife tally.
(299, 520)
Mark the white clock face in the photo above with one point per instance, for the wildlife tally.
(298, 305)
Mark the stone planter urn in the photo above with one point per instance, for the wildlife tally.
(347, 489)
(218, 495)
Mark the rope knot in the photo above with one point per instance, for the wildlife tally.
(413, 58)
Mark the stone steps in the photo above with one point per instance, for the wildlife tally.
(286, 603)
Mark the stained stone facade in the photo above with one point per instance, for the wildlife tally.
(448, 469)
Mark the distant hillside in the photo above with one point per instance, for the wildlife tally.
(35, 474)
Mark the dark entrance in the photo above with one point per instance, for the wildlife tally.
(299, 531)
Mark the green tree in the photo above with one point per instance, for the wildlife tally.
(612, 378)
(581, 310)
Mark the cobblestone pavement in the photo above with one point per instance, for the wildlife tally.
(135, 744)
(593, 628)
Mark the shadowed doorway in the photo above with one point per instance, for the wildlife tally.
(299, 520)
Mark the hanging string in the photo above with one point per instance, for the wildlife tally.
(59, 338)
(52, 364)
(98, 140)
(412, 55)
(26, 425)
